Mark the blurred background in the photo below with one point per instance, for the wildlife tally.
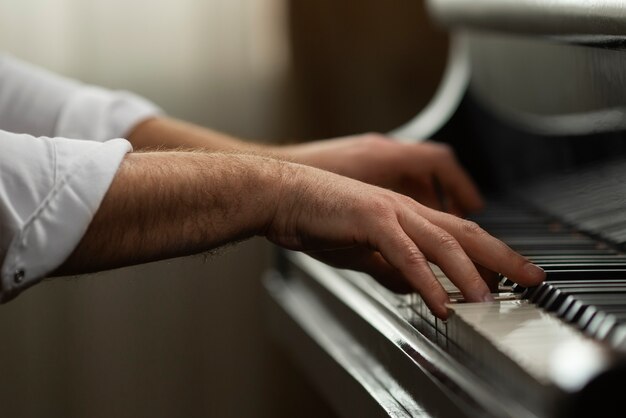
(186, 337)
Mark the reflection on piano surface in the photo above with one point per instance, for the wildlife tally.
(548, 115)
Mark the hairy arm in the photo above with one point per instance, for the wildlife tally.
(167, 133)
(167, 204)
(428, 172)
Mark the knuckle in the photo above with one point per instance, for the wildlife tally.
(375, 137)
(414, 258)
(382, 207)
(448, 243)
(407, 200)
(473, 229)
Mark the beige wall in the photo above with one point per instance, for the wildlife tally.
(216, 61)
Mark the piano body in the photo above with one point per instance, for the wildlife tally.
(534, 100)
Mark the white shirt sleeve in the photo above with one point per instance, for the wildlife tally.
(50, 187)
(41, 103)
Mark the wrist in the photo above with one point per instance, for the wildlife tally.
(275, 185)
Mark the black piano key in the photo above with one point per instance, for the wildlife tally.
(543, 297)
(575, 252)
(583, 265)
(573, 309)
(548, 289)
(537, 292)
(533, 248)
(616, 333)
(595, 322)
(597, 326)
(612, 314)
(583, 309)
(568, 258)
(530, 292)
(581, 294)
(533, 293)
(566, 274)
(586, 316)
(585, 278)
(608, 324)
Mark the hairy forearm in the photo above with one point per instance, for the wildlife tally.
(168, 204)
(168, 133)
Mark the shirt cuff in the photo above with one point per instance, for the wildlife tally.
(47, 238)
(98, 114)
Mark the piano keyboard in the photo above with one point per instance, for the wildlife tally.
(560, 334)
(554, 350)
(570, 329)
(587, 290)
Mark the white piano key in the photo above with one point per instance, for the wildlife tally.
(518, 332)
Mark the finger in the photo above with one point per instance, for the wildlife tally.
(444, 250)
(367, 261)
(401, 252)
(488, 251)
(490, 277)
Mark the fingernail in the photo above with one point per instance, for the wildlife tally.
(488, 298)
(534, 272)
(443, 315)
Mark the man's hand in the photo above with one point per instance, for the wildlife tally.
(428, 172)
(354, 225)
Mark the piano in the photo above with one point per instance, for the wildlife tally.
(534, 101)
